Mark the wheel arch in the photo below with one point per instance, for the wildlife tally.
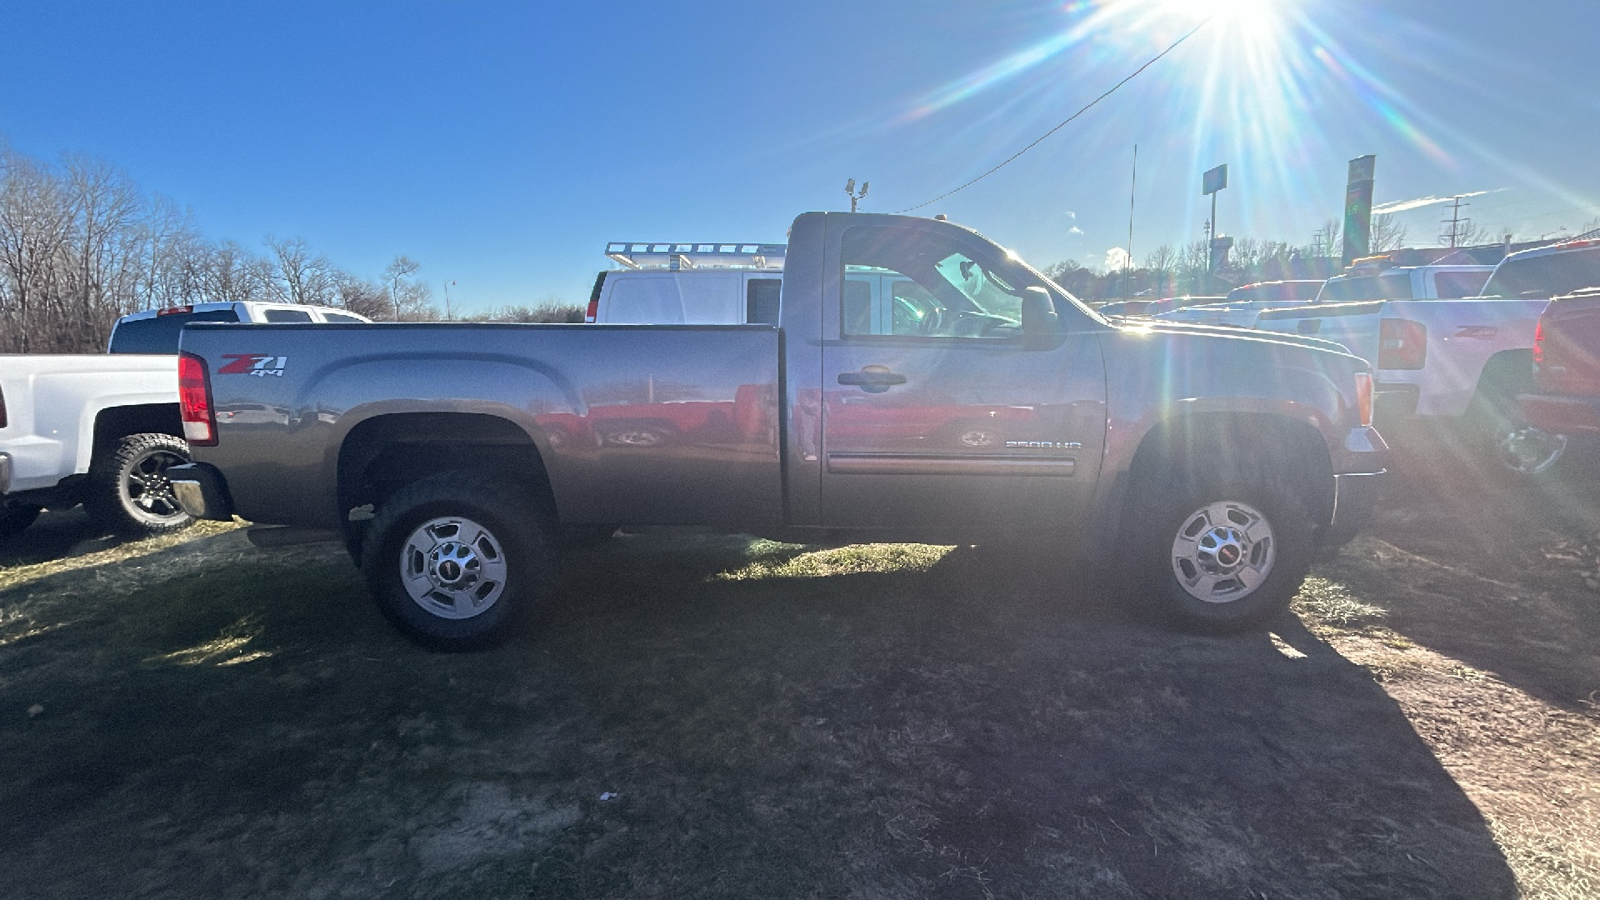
(385, 453)
(1507, 373)
(1198, 444)
(117, 422)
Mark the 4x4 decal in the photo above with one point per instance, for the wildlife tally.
(257, 364)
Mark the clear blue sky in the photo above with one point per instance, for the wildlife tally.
(502, 144)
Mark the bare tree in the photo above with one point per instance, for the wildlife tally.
(35, 221)
(411, 298)
(1162, 262)
(364, 298)
(1327, 242)
(1386, 233)
(303, 276)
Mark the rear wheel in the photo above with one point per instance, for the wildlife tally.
(128, 488)
(457, 560)
(1224, 556)
(1528, 451)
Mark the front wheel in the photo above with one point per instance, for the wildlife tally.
(1228, 557)
(456, 560)
(128, 488)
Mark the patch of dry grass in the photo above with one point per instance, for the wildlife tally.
(1327, 602)
(774, 560)
(15, 576)
(1554, 857)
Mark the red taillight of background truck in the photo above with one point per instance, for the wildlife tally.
(1402, 344)
(194, 401)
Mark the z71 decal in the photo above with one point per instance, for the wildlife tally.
(257, 364)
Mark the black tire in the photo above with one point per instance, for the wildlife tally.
(128, 490)
(477, 551)
(1224, 556)
(15, 519)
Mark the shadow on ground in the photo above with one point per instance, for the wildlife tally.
(982, 728)
(1489, 569)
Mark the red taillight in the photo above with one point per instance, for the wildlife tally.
(594, 308)
(1364, 397)
(1402, 344)
(1538, 343)
(194, 401)
(174, 311)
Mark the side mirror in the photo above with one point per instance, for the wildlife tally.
(1040, 322)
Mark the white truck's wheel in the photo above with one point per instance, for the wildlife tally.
(456, 559)
(128, 490)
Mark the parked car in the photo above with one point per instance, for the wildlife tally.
(1168, 304)
(98, 430)
(1565, 401)
(103, 430)
(1124, 308)
(1244, 303)
(1211, 464)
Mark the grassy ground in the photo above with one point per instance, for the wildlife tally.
(703, 716)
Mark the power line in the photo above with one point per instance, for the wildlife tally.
(1091, 105)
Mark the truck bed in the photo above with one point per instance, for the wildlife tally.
(649, 425)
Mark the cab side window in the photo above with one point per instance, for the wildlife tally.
(906, 282)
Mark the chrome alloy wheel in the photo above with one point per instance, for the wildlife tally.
(147, 487)
(1530, 451)
(453, 568)
(1223, 551)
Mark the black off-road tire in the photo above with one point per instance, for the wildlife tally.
(458, 560)
(1264, 518)
(15, 519)
(128, 491)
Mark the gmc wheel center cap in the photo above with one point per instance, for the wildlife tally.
(453, 566)
(1227, 548)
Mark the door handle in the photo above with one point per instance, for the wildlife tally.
(872, 379)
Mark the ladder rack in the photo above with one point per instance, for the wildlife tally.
(639, 255)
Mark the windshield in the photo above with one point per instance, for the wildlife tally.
(1547, 275)
(1346, 288)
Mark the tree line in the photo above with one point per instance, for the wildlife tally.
(82, 245)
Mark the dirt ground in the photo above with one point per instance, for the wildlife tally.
(703, 716)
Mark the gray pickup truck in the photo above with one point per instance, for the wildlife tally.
(922, 384)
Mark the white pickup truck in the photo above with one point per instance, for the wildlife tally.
(1245, 302)
(97, 430)
(102, 430)
(1444, 357)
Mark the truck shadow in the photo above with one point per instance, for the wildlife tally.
(1495, 572)
(55, 535)
(943, 725)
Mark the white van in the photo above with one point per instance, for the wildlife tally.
(737, 284)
